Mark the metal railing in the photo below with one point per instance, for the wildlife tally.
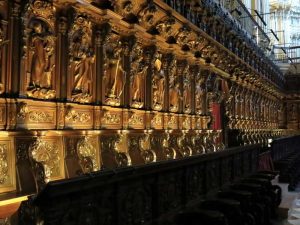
(287, 53)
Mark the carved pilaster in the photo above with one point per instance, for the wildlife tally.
(150, 58)
(14, 34)
(129, 45)
(102, 34)
(61, 59)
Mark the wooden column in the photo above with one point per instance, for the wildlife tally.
(62, 58)
(14, 35)
(150, 60)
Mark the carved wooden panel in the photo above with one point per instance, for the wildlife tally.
(49, 152)
(157, 120)
(7, 165)
(81, 59)
(78, 116)
(39, 50)
(3, 115)
(136, 119)
(171, 121)
(111, 118)
(33, 115)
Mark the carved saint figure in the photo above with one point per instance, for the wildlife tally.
(114, 75)
(186, 90)
(158, 83)
(42, 45)
(199, 92)
(82, 60)
(174, 90)
(139, 69)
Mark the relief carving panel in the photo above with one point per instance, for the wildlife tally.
(39, 54)
(82, 58)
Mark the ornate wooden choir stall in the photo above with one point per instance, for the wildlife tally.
(90, 85)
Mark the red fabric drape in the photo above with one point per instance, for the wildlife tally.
(216, 116)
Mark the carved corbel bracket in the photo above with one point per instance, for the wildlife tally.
(87, 154)
(45, 157)
(146, 149)
(120, 146)
(168, 151)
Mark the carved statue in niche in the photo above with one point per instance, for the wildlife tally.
(82, 58)
(293, 112)
(114, 74)
(137, 78)
(174, 90)
(158, 83)
(39, 21)
(199, 92)
(186, 90)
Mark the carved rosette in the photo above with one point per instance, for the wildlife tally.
(87, 153)
(81, 59)
(39, 49)
(4, 170)
(47, 154)
(138, 73)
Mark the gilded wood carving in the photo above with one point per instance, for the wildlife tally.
(39, 49)
(158, 83)
(138, 74)
(175, 94)
(82, 58)
(114, 72)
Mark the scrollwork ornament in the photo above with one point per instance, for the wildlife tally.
(145, 146)
(120, 146)
(47, 154)
(3, 164)
(85, 149)
(71, 115)
(169, 152)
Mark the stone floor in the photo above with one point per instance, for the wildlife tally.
(288, 198)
